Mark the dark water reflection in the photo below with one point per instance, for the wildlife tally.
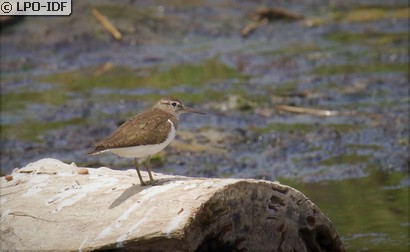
(370, 213)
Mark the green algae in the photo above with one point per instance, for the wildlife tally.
(360, 14)
(16, 101)
(364, 146)
(119, 77)
(354, 68)
(201, 76)
(371, 13)
(404, 141)
(303, 127)
(34, 130)
(372, 38)
(194, 75)
(120, 11)
(295, 50)
(350, 159)
(285, 88)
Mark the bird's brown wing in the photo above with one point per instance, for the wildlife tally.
(146, 128)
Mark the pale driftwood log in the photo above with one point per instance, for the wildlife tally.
(49, 205)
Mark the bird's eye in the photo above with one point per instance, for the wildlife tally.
(174, 104)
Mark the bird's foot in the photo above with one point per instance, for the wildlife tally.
(149, 183)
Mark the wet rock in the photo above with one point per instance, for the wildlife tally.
(176, 214)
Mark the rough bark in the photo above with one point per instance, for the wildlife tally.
(49, 205)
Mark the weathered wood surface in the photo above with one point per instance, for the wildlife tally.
(49, 205)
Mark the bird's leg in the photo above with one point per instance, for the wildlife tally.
(138, 171)
(148, 167)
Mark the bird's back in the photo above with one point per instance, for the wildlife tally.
(148, 128)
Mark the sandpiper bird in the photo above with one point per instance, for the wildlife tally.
(146, 133)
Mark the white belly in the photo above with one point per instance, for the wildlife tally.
(145, 150)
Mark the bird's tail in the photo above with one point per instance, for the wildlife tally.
(96, 151)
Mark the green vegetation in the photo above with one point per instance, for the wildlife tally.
(371, 13)
(296, 50)
(304, 127)
(361, 14)
(285, 88)
(364, 146)
(33, 130)
(350, 159)
(15, 101)
(372, 38)
(199, 76)
(118, 77)
(84, 81)
(370, 68)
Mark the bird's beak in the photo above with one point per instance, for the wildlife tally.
(189, 110)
